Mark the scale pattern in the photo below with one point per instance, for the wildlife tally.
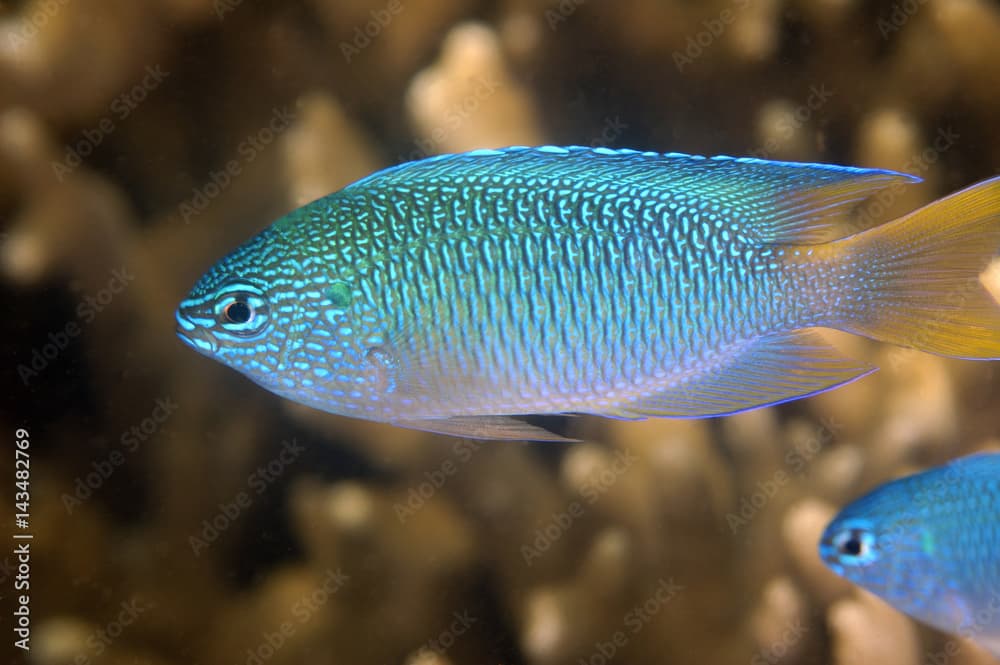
(516, 282)
(546, 280)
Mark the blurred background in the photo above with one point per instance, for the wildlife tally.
(180, 514)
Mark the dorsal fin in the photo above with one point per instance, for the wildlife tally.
(813, 212)
(773, 202)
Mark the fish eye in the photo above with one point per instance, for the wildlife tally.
(242, 312)
(238, 311)
(855, 544)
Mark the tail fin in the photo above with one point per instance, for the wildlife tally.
(925, 269)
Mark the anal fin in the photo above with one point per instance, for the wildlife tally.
(772, 369)
(501, 428)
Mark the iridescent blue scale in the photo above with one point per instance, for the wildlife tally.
(558, 261)
(557, 264)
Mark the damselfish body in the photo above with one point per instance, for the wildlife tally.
(929, 544)
(451, 293)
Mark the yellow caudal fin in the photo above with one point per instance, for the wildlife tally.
(919, 277)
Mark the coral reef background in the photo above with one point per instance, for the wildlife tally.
(182, 515)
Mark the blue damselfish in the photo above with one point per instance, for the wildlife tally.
(929, 544)
(450, 293)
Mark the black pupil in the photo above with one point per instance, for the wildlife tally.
(852, 546)
(238, 312)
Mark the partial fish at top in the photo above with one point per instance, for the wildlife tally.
(451, 293)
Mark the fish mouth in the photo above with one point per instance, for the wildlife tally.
(193, 335)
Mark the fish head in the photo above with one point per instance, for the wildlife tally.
(294, 321)
(882, 543)
(243, 312)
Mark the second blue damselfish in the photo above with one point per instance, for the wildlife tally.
(929, 544)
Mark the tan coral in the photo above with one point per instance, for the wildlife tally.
(470, 99)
